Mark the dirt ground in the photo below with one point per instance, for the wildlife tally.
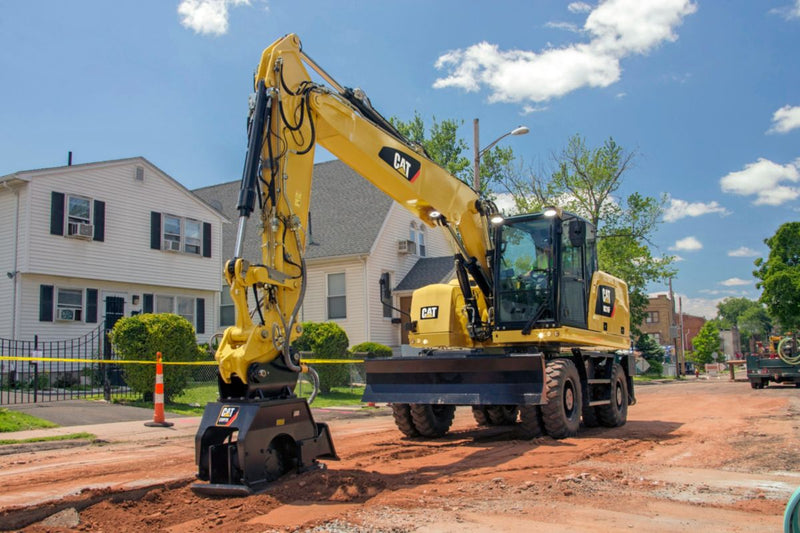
(696, 455)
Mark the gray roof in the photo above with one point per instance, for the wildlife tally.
(426, 271)
(347, 212)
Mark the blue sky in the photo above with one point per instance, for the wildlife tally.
(706, 92)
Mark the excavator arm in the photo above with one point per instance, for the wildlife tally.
(291, 114)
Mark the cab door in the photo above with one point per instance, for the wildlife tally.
(573, 287)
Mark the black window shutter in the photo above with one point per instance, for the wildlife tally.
(147, 303)
(56, 213)
(206, 239)
(99, 220)
(155, 231)
(201, 315)
(45, 303)
(91, 306)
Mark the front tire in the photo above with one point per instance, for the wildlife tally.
(432, 420)
(561, 414)
(615, 414)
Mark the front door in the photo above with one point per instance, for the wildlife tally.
(115, 309)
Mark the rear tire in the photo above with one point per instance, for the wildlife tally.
(480, 415)
(402, 418)
(615, 414)
(530, 422)
(562, 412)
(755, 384)
(502, 415)
(432, 420)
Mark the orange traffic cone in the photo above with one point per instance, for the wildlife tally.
(158, 398)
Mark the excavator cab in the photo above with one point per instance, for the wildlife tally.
(544, 266)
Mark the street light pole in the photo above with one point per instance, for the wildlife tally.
(476, 163)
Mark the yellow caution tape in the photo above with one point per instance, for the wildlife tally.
(177, 363)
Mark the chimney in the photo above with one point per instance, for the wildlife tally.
(69, 159)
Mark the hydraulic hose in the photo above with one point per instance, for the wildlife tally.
(787, 357)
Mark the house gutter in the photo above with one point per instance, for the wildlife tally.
(15, 270)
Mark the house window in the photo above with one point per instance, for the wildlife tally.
(421, 241)
(194, 234)
(651, 318)
(172, 233)
(186, 308)
(69, 305)
(165, 304)
(227, 311)
(337, 300)
(656, 337)
(79, 216)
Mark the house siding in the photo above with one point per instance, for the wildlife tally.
(125, 254)
(8, 231)
(385, 258)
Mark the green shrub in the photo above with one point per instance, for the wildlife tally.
(139, 337)
(372, 349)
(326, 340)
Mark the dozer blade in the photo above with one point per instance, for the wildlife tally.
(456, 379)
(242, 446)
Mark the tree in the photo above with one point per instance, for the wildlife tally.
(585, 181)
(441, 143)
(747, 315)
(730, 309)
(706, 342)
(652, 352)
(780, 276)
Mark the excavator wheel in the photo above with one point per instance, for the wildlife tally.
(402, 418)
(616, 413)
(530, 422)
(562, 412)
(480, 415)
(432, 420)
(502, 415)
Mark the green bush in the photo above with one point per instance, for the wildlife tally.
(372, 349)
(139, 337)
(327, 340)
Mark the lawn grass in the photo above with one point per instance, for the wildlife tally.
(15, 421)
(71, 436)
(193, 400)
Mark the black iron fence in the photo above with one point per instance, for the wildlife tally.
(42, 371)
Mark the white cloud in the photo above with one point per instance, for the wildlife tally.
(744, 251)
(788, 12)
(785, 119)
(688, 244)
(207, 17)
(765, 180)
(617, 28)
(582, 7)
(735, 282)
(563, 26)
(678, 209)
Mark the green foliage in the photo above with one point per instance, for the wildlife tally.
(748, 316)
(652, 352)
(139, 337)
(372, 349)
(441, 143)
(327, 340)
(780, 276)
(706, 342)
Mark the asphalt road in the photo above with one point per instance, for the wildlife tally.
(83, 412)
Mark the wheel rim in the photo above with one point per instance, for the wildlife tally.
(619, 395)
(569, 398)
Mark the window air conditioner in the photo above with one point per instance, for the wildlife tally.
(80, 230)
(64, 314)
(406, 247)
(172, 246)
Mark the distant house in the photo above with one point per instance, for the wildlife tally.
(357, 234)
(81, 245)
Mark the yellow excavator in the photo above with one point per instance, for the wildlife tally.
(529, 333)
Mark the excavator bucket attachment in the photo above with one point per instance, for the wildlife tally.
(241, 446)
(457, 379)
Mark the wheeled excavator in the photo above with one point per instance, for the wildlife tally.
(529, 332)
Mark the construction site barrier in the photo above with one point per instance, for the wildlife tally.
(159, 419)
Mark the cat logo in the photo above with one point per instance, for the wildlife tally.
(429, 312)
(605, 301)
(227, 415)
(404, 164)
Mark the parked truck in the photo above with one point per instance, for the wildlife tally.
(777, 360)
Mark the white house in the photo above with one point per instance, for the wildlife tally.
(357, 235)
(81, 245)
